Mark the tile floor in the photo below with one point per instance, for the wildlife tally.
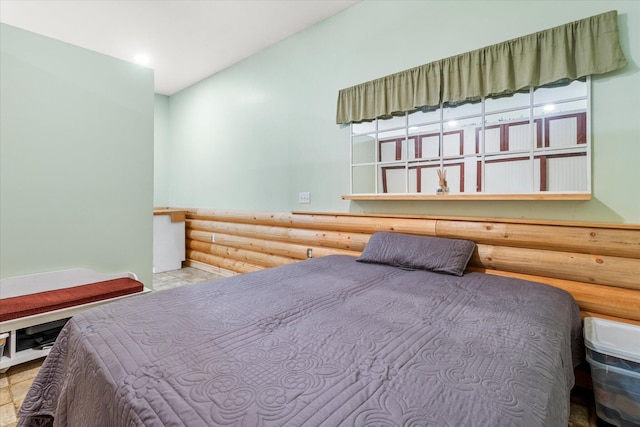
(15, 383)
(184, 276)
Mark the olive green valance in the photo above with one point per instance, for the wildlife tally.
(568, 52)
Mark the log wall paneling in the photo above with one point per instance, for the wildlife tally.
(332, 239)
(228, 264)
(622, 243)
(599, 264)
(367, 224)
(605, 270)
(261, 259)
(284, 249)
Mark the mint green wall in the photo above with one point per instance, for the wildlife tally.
(76, 159)
(257, 133)
(161, 152)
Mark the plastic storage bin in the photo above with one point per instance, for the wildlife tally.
(613, 351)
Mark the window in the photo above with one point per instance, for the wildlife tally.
(536, 141)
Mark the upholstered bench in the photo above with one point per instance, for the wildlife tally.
(40, 302)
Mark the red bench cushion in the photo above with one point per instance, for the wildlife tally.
(42, 302)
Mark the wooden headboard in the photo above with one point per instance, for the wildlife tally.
(599, 264)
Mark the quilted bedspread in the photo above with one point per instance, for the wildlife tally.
(328, 341)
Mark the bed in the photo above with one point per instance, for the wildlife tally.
(338, 340)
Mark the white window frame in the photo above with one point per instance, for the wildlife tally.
(534, 152)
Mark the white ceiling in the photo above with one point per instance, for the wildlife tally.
(186, 40)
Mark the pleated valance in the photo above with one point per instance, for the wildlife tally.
(564, 53)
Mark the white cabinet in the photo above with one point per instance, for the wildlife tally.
(168, 239)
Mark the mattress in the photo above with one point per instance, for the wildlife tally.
(328, 341)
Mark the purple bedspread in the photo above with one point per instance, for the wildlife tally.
(328, 341)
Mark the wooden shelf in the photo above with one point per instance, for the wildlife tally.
(177, 215)
(473, 196)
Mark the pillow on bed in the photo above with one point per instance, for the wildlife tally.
(418, 252)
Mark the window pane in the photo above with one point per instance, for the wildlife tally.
(425, 146)
(561, 107)
(424, 141)
(394, 122)
(455, 172)
(567, 130)
(565, 173)
(463, 110)
(472, 182)
(506, 131)
(519, 137)
(491, 139)
(460, 136)
(413, 180)
(364, 149)
(365, 127)
(424, 178)
(392, 150)
(392, 134)
(515, 101)
(508, 176)
(364, 179)
(392, 179)
(418, 130)
(507, 116)
(576, 89)
(452, 143)
(420, 117)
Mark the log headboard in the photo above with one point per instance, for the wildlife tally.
(599, 264)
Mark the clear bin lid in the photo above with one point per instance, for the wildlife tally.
(613, 338)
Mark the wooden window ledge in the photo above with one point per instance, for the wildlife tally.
(470, 196)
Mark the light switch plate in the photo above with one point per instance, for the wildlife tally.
(304, 197)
